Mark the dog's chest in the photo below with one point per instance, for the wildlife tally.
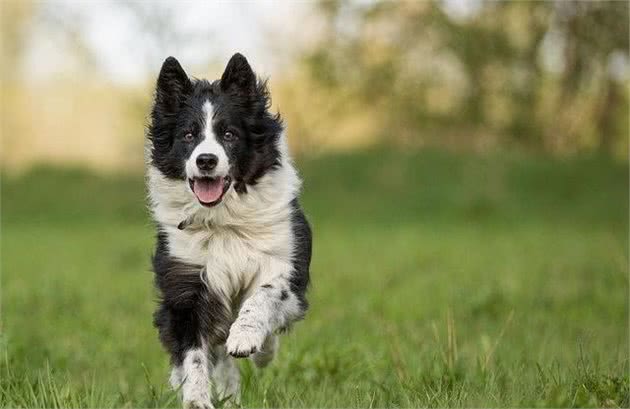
(235, 258)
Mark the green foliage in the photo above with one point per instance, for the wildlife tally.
(431, 73)
(438, 280)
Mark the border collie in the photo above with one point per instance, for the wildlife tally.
(233, 246)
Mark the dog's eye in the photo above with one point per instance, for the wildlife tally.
(189, 137)
(229, 136)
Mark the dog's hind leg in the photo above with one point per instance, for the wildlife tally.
(263, 357)
(226, 378)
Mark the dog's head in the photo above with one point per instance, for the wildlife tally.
(213, 135)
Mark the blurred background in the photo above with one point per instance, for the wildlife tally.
(466, 173)
(549, 77)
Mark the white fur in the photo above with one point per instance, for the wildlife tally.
(224, 375)
(209, 144)
(261, 315)
(196, 379)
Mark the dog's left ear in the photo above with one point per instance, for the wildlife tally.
(238, 75)
(172, 85)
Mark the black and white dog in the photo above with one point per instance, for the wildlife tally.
(233, 246)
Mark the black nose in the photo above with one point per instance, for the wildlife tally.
(207, 161)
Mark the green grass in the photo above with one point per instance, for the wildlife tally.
(438, 280)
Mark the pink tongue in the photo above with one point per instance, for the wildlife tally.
(208, 191)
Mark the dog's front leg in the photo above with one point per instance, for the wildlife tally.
(271, 307)
(192, 364)
(196, 382)
(191, 318)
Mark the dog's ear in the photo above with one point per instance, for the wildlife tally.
(238, 75)
(172, 85)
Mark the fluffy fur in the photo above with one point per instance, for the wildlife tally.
(233, 246)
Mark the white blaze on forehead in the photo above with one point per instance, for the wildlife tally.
(209, 144)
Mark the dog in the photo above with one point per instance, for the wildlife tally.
(233, 248)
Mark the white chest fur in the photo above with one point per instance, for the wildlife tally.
(245, 240)
(237, 258)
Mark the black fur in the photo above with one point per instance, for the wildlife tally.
(190, 313)
(303, 241)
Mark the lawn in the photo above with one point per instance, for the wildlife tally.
(438, 279)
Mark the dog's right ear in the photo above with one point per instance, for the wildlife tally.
(238, 75)
(172, 85)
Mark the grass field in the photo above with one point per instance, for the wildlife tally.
(438, 280)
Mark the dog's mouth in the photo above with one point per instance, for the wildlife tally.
(210, 191)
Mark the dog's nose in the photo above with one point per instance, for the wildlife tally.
(207, 161)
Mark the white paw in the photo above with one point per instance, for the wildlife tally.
(198, 404)
(244, 339)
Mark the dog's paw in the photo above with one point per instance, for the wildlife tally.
(244, 340)
(198, 404)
